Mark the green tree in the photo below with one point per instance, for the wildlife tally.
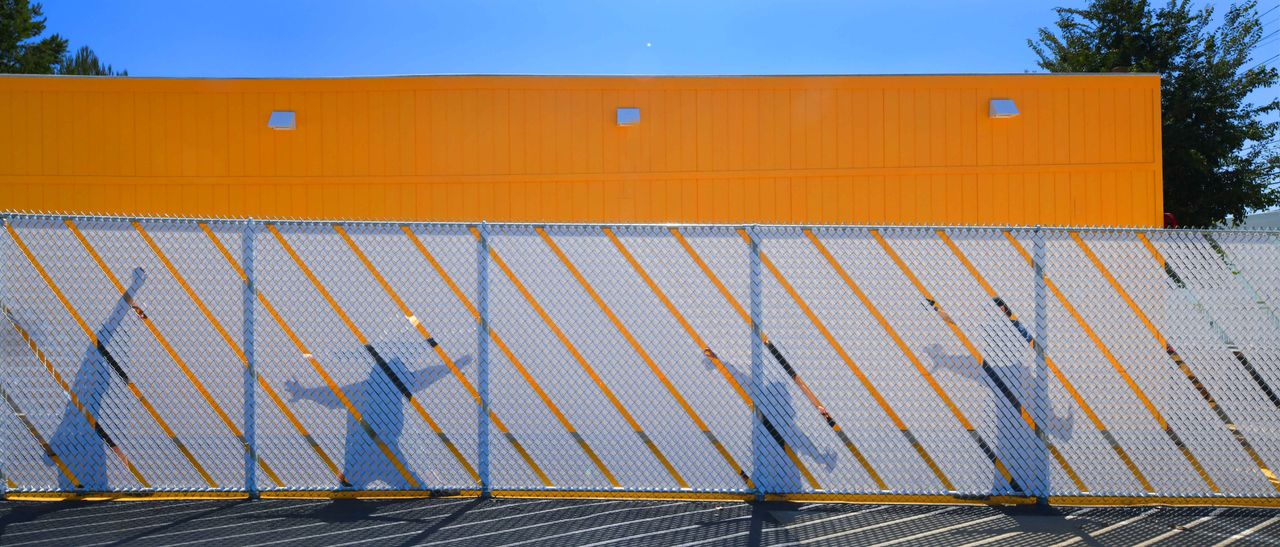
(1221, 159)
(21, 23)
(23, 51)
(86, 63)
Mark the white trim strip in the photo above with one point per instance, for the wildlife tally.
(1097, 533)
(1248, 532)
(788, 527)
(110, 524)
(539, 525)
(277, 530)
(992, 539)
(415, 532)
(1077, 514)
(614, 525)
(865, 528)
(106, 505)
(937, 531)
(523, 515)
(1181, 528)
(644, 535)
(215, 517)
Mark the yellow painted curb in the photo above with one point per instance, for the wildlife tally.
(1062, 501)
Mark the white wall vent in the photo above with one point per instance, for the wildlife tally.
(1003, 108)
(628, 115)
(281, 120)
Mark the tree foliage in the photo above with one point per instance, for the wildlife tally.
(21, 23)
(1221, 159)
(86, 63)
(24, 51)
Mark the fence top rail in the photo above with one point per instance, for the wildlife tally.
(6, 215)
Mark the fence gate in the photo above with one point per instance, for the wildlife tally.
(230, 357)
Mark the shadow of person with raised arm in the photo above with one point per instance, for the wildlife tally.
(1012, 386)
(776, 428)
(383, 406)
(90, 385)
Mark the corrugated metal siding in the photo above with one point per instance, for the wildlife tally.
(900, 150)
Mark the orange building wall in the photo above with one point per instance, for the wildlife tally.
(862, 149)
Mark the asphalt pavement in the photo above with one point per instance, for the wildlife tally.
(585, 522)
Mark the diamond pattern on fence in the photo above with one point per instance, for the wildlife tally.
(1156, 373)
(182, 355)
(1070, 414)
(119, 341)
(203, 366)
(1227, 302)
(326, 370)
(402, 371)
(788, 413)
(1082, 344)
(599, 418)
(222, 298)
(465, 416)
(1253, 260)
(857, 260)
(720, 393)
(1237, 400)
(75, 440)
(461, 303)
(821, 307)
(616, 290)
(1008, 431)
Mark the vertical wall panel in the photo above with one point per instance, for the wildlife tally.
(914, 150)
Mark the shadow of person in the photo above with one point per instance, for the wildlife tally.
(1011, 429)
(382, 405)
(774, 400)
(776, 429)
(91, 384)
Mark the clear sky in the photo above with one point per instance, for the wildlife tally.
(268, 38)
(288, 38)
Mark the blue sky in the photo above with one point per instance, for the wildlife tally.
(279, 38)
(343, 38)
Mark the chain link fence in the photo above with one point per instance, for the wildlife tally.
(149, 355)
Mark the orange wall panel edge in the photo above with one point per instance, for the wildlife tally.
(1074, 150)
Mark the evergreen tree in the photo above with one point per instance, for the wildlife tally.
(1221, 159)
(86, 63)
(22, 51)
(21, 23)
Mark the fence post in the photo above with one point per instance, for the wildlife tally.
(1040, 328)
(4, 364)
(759, 437)
(247, 239)
(482, 357)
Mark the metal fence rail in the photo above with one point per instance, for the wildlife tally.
(152, 355)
